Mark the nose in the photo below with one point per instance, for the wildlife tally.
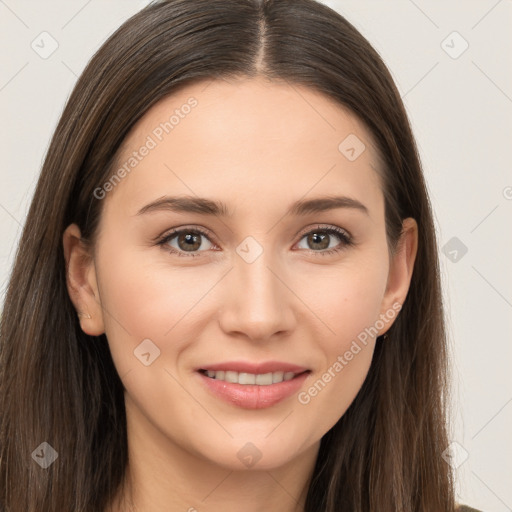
(258, 303)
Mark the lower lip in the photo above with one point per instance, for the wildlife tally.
(252, 396)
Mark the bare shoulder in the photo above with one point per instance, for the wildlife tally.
(465, 508)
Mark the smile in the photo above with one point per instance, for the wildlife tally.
(253, 390)
(260, 379)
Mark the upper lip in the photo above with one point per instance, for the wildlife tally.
(256, 368)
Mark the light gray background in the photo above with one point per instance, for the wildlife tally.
(460, 109)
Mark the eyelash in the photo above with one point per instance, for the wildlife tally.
(346, 240)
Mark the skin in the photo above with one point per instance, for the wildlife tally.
(258, 146)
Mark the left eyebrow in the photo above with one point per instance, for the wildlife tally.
(201, 205)
(322, 204)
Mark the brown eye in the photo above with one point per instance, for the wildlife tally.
(185, 241)
(188, 241)
(320, 239)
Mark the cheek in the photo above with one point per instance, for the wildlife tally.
(330, 392)
(349, 305)
(141, 301)
(147, 297)
(347, 299)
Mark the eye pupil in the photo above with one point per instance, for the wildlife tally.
(190, 241)
(322, 238)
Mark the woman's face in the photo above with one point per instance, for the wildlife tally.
(263, 277)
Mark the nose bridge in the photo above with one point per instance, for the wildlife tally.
(257, 304)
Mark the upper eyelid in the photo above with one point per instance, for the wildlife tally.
(176, 231)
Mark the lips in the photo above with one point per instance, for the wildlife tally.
(253, 385)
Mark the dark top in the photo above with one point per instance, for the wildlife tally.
(465, 508)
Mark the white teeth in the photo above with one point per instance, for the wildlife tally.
(264, 379)
(247, 378)
(261, 379)
(231, 377)
(277, 377)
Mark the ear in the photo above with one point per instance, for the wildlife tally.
(81, 281)
(400, 271)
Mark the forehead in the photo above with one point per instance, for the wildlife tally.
(246, 139)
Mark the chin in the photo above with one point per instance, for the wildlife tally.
(254, 452)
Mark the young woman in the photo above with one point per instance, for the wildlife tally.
(226, 294)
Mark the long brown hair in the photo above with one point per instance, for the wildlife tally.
(59, 385)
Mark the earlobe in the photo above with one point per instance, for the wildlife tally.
(81, 281)
(400, 271)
